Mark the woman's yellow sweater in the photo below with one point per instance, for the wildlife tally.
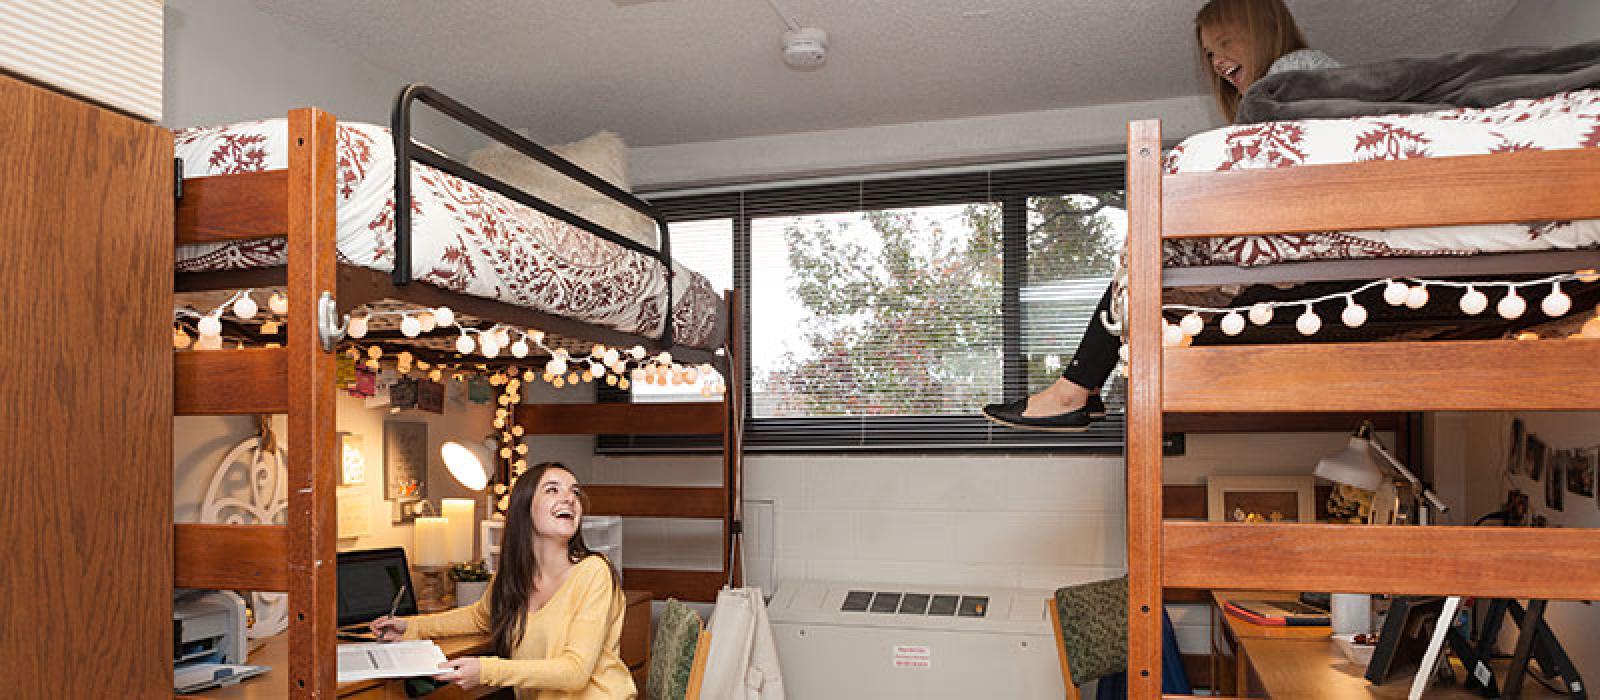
(570, 647)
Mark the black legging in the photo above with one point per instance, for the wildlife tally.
(1097, 351)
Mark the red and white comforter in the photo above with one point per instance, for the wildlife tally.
(464, 238)
(1568, 120)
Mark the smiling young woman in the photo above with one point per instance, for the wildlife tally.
(554, 609)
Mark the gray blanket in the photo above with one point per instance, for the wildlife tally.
(1409, 85)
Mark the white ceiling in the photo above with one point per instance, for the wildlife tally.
(679, 71)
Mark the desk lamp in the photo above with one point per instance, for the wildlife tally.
(1354, 465)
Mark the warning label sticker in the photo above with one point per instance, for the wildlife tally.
(912, 656)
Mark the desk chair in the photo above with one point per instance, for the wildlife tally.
(1090, 622)
(677, 655)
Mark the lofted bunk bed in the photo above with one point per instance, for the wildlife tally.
(303, 206)
(1169, 383)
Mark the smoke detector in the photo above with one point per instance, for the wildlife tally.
(805, 48)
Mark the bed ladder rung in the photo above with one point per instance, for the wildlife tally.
(1490, 562)
(1478, 375)
(246, 557)
(240, 206)
(226, 382)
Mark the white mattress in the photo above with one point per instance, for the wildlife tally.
(1568, 120)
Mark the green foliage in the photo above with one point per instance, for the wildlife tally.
(904, 312)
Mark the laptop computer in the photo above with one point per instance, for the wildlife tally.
(368, 582)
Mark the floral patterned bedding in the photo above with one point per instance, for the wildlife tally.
(1567, 120)
(465, 238)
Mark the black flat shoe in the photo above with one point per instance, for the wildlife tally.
(1095, 407)
(1010, 414)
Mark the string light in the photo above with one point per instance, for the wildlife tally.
(245, 308)
(357, 327)
(410, 327)
(1395, 292)
(1354, 315)
(278, 303)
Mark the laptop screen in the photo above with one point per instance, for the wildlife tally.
(368, 580)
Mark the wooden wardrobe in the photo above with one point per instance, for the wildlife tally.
(86, 259)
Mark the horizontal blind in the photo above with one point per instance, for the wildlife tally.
(881, 313)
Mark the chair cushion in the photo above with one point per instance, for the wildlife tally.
(672, 652)
(1094, 626)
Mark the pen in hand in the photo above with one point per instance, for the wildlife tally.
(382, 626)
(395, 605)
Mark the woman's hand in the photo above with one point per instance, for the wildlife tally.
(389, 629)
(465, 672)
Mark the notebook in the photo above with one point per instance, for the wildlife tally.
(1278, 612)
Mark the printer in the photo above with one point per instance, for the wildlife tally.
(208, 640)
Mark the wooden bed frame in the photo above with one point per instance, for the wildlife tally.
(1494, 375)
(299, 379)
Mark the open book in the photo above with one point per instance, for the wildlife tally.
(359, 662)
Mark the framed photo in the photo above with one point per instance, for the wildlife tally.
(1515, 453)
(1581, 465)
(1554, 488)
(405, 463)
(1535, 456)
(1261, 499)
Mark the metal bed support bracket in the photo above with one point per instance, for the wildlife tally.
(330, 323)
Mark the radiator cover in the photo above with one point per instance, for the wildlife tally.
(825, 652)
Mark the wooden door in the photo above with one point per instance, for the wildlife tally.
(86, 467)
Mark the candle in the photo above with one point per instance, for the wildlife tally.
(459, 512)
(431, 547)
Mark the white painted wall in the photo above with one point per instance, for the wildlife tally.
(1486, 438)
(1549, 23)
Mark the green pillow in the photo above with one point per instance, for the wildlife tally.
(672, 652)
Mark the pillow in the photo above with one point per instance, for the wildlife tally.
(603, 154)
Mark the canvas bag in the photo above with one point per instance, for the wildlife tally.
(743, 661)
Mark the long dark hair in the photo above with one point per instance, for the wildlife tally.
(1273, 34)
(514, 576)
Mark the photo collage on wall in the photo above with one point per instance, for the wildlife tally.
(1562, 471)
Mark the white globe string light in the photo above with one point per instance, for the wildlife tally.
(245, 308)
(444, 316)
(464, 344)
(1512, 305)
(210, 327)
(1261, 313)
(1192, 324)
(278, 303)
(410, 327)
(1308, 323)
(357, 327)
(1354, 315)
(489, 344)
(1171, 335)
(1417, 297)
(520, 348)
(1232, 324)
(1557, 304)
(180, 339)
(1474, 302)
(427, 321)
(1395, 292)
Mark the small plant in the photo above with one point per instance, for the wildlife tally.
(469, 571)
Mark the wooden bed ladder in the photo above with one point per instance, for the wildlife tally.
(1498, 375)
(298, 380)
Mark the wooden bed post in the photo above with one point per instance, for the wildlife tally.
(312, 436)
(1143, 323)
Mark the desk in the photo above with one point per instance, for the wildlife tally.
(1303, 662)
(274, 683)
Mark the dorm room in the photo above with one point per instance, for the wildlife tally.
(304, 311)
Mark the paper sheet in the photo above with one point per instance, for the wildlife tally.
(359, 662)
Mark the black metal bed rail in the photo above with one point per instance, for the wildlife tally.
(407, 150)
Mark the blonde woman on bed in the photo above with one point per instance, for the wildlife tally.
(553, 612)
(1240, 41)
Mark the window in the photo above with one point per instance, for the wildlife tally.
(883, 313)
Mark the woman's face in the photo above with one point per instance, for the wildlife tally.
(557, 508)
(1228, 50)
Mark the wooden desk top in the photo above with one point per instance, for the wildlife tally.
(1304, 662)
(275, 682)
